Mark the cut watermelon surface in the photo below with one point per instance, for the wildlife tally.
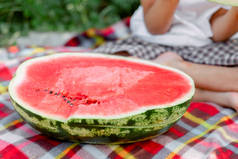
(72, 96)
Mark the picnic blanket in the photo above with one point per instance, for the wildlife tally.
(206, 130)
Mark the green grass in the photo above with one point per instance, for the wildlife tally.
(18, 17)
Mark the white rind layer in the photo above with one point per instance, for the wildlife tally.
(20, 73)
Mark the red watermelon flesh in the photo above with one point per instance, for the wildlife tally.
(90, 86)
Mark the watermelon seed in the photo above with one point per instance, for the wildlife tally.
(37, 90)
(91, 101)
(83, 99)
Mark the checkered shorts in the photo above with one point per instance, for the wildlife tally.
(224, 53)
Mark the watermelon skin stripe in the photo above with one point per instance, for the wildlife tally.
(107, 131)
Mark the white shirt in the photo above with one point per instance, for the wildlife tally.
(190, 24)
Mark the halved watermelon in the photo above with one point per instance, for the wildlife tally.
(99, 98)
(226, 2)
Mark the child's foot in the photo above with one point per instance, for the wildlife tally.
(226, 99)
(170, 59)
(233, 102)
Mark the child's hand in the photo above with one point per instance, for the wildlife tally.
(224, 24)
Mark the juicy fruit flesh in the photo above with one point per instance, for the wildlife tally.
(98, 86)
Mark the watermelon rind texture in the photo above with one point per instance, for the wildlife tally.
(226, 2)
(139, 127)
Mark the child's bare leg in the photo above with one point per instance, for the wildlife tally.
(207, 77)
(227, 99)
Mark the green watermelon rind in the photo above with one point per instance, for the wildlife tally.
(225, 2)
(114, 131)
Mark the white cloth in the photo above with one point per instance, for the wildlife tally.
(190, 24)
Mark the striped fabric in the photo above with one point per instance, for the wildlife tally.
(205, 131)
